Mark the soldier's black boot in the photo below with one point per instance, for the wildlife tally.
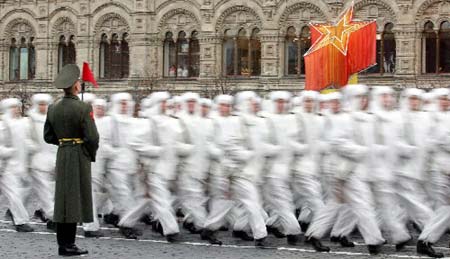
(71, 250)
(51, 225)
(335, 239)
(111, 219)
(24, 228)
(128, 233)
(345, 242)
(242, 235)
(318, 245)
(374, 249)
(427, 249)
(40, 214)
(261, 243)
(210, 236)
(276, 232)
(147, 220)
(172, 238)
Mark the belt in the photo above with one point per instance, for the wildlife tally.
(72, 141)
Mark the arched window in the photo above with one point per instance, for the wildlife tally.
(66, 51)
(114, 56)
(295, 48)
(182, 57)
(444, 47)
(386, 52)
(22, 59)
(242, 53)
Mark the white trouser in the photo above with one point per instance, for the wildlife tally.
(247, 197)
(412, 198)
(193, 200)
(43, 187)
(387, 207)
(159, 203)
(220, 203)
(121, 190)
(280, 206)
(437, 186)
(346, 221)
(356, 193)
(11, 189)
(437, 226)
(308, 192)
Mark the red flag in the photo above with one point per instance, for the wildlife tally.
(87, 75)
(338, 51)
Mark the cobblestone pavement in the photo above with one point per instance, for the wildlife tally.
(42, 244)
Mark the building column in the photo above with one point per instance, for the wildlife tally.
(269, 54)
(405, 36)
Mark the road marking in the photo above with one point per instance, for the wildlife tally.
(292, 249)
(45, 224)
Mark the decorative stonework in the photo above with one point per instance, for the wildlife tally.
(111, 23)
(375, 10)
(63, 26)
(19, 28)
(299, 15)
(236, 18)
(178, 20)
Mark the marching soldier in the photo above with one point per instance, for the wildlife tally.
(70, 125)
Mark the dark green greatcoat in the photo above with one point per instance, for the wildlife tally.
(71, 118)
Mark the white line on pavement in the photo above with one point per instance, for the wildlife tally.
(230, 246)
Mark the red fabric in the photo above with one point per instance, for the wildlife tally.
(88, 76)
(330, 65)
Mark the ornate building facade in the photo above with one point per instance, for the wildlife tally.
(196, 44)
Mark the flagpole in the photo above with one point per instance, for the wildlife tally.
(83, 88)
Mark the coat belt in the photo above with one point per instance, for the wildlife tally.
(70, 141)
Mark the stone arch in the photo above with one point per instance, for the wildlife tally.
(238, 17)
(177, 20)
(109, 5)
(18, 28)
(111, 23)
(377, 10)
(436, 11)
(67, 10)
(63, 26)
(299, 15)
(166, 4)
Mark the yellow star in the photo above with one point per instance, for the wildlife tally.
(337, 34)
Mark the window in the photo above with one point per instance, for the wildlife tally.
(182, 58)
(66, 52)
(386, 52)
(22, 59)
(444, 47)
(242, 53)
(295, 48)
(114, 56)
(436, 48)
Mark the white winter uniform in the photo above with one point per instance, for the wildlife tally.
(439, 222)
(156, 142)
(101, 188)
(384, 160)
(277, 194)
(43, 161)
(16, 149)
(194, 162)
(122, 164)
(413, 147)
(306, 185)
(352, 140)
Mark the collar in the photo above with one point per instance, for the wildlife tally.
(71, 96)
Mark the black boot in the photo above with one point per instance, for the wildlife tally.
(276, 232)
(374, 249)
(242, 235)
(40, 214)
(172, 238)
(304, 226)
(399, 247)
(427, 249)
(24, 228)
(93, 234)
(179, 213)
(345, 242)
(51, 225)
(147, 220)
(156, 227)
(293, 239)
(318, 245)
(210, 236)
(335, 239)
(8, 215)
(72, 250)
(188, 225)
(223, 228)
(195, 230)
(111, 219)
(128, 233)
(261, 243)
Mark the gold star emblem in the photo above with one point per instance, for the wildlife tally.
(337, 34)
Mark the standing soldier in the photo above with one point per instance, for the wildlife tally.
(70, 125)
